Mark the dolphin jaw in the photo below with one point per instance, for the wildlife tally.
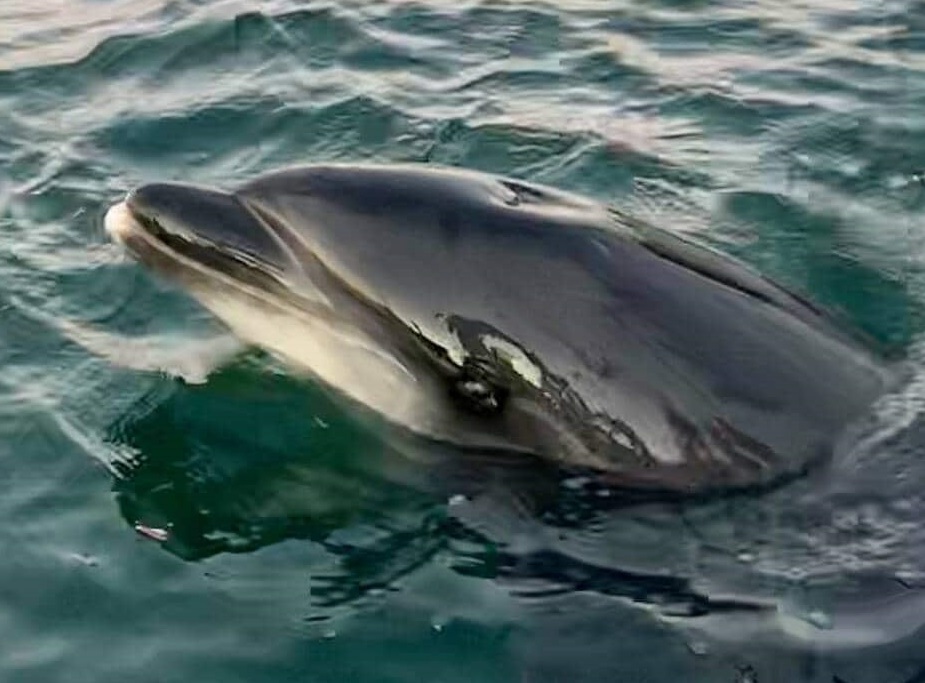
(312, 339)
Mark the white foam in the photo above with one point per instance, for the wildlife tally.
(896, 411)
(190, 359)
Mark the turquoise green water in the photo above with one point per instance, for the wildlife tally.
(178, 508)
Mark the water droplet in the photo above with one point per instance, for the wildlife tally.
(153, 533)
(86, 560)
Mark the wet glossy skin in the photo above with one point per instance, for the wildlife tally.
(535, 317)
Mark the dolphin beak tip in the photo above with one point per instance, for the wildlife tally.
(118, 222)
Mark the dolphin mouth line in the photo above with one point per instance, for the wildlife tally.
(199, 250)
(149, 242)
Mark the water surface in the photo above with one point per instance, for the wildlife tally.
(180, 508)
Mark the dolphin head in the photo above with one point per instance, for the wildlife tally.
(269, 261)
(234, 262)
(493, 312)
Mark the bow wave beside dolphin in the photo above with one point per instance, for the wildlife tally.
(493, 313)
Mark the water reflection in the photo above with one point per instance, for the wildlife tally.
(250, 459)
(255, 457)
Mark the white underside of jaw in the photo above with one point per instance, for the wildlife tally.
(340, 356)
(327, 347)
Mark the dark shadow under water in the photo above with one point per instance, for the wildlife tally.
(254, 458)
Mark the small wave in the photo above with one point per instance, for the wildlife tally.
(191, 360)
(179, 355)
(897, 412)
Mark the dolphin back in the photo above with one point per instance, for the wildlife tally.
(615, 344)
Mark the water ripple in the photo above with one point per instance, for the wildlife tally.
(787, 133)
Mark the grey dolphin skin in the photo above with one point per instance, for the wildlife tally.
(488, 312)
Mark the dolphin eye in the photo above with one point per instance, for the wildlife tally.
(476, 388)
(479, 396)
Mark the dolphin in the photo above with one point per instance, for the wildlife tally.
(488, 312)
